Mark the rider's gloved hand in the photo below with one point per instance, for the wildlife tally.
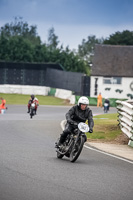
(70, 121)
(91, 130)
(75, 124)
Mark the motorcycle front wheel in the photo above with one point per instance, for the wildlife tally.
(77, 148)
(31, 113)
(105, 110)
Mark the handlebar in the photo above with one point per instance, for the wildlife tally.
(72, 122)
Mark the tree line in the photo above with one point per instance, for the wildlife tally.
(20, 42)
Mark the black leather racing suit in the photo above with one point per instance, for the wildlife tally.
(75, 114)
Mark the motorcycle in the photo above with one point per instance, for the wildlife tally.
(32, 110)
(106, 105)
(74, 143)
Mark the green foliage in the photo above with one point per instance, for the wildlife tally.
(20, 28)
(120, 38)
(72, 62)
(52, 39)
(19, 42)
(16, 48)
(86, 49)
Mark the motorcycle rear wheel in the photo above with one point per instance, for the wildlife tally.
(77, 148)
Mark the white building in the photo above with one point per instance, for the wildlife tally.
(112, 72)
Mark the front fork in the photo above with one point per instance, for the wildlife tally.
(78, 135)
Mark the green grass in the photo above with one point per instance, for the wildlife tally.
(23, 99)
(105, 127)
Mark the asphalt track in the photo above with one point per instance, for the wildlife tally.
(29, 169)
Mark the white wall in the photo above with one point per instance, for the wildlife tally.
(24, 89)
(37, 90)
(65, 94)
(124, 87)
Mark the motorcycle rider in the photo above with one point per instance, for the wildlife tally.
(3, 103)
(105, 103)
(33, 99)
(78, 113)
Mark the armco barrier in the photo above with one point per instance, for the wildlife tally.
(125, 118)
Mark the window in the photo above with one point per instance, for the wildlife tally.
(112, 80)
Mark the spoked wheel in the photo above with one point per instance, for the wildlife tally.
(31, 114)
(76, 150)
(105, 110)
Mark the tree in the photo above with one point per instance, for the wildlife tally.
(85, 50)
(52, 39)
(120, 38)
(4, 49)
(16, 49)
(19, 42)
(20, 28)
(72, 62)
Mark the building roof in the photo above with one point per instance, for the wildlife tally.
(113, 60)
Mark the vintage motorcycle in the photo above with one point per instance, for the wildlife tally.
(74, 142)
(106, 105)
(32, 110)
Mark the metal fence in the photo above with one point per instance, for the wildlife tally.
(74, 81)
(51, 75)
(25, 73)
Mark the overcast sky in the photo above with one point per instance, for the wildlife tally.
(73, 20)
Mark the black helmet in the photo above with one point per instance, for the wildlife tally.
(32, 96)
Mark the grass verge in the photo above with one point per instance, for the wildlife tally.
(106, 129)
(23, 99)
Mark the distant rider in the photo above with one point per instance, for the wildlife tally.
(106, 102)
(33, 99)
(3, 103)
(78, 113)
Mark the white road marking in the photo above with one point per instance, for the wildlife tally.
(108, 154)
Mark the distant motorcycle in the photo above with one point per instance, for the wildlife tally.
(2, 111)
(106, 107)
(74, 142)
(32, 110)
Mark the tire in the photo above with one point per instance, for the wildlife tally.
(79, 145)
(31, 114)
(105, 110)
